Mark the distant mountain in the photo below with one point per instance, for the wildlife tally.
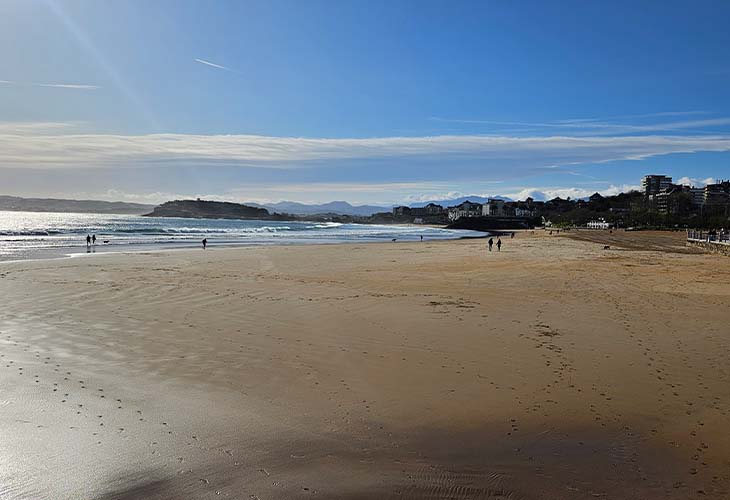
(456, 201)
(344, 208)
(17, 204)
(333, 207)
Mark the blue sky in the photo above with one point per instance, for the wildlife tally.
(377, 102)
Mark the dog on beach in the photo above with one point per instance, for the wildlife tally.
(607, 247)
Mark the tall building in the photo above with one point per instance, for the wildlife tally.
(717, 194)
(674, 200)
(653, 184)
(698, 196)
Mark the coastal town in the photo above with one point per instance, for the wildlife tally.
(659, 203)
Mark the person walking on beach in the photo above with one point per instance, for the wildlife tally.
(421, 237)
(499, 244)
(93, 239)
(512, 235)
(88, 240)
(491, 242)
(205, 243)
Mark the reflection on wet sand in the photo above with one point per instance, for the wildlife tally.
(552, 369)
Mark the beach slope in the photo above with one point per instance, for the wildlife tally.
(553, 369)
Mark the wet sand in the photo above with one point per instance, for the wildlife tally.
(551, 370)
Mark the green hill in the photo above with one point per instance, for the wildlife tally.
(200, 209)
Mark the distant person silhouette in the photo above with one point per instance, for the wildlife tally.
(93, 239)
(205, 243)
(512, 235)
(421, 237)
(499, 244)
(88, 240)
(491, 242)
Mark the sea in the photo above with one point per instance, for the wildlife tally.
(43, 235)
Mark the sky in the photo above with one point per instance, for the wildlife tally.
(378, 102)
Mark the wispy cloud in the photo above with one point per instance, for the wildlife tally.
(569, 121)
(24, 128)
(214, 65)
(99, 150)
(68, 86)
(657, 127)
(659, 114)
(105, 64)
(602, 126)
(75, 86)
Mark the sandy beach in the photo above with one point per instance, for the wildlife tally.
(553, 369)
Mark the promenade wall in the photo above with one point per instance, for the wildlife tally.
(711, 246)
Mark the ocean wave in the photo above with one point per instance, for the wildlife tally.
(197, 230)
(327, 225)
(50, 232)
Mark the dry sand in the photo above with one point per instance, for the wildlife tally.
(550, 370)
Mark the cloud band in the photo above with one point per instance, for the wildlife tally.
(18, 149)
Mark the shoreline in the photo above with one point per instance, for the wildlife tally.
(156, 248)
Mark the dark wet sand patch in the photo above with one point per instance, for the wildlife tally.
(548, 464)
